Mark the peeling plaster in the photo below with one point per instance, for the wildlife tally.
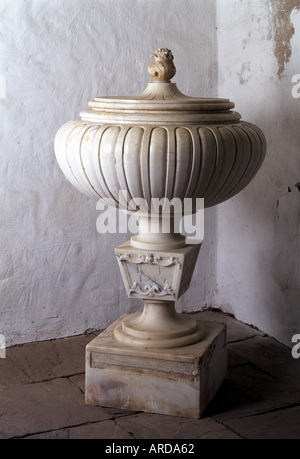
(257, 270)
(283, 30)
(245, 72)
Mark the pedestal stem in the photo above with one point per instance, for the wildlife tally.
(158, 326)
(159, 317)
(159, 232)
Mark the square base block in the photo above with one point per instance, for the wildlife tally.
(175, 382)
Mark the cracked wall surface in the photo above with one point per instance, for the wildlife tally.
(258, 230)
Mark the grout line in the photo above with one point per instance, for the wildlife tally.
(61, 428)
(125, 430)
(273, 410)
(76, 385)
(264, 370)
(238, 365)
(22, 369)
(49, 379)
(240, 340)
(228, 428)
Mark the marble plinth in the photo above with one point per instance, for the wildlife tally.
(177, 382)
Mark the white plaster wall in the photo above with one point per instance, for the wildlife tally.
(58, 276)
(258, 231)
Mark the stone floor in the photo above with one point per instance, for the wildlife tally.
(42, 394)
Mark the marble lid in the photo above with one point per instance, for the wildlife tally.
(161, 102)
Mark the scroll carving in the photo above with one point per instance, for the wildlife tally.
(150, 259)
(151, 290)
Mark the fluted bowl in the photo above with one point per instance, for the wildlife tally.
(159, 144)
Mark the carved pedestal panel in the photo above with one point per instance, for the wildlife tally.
(156, 275)
(158, 278)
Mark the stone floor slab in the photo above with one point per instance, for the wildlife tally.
(236, 330)
(107, 430)
(51, 359)
(248, 391)
(11, 374)
(154, 426)
(42, 394)
(289, 372)
(282, 424)
(79, 380)
(39, 407)
(235, 360)
(262, 351)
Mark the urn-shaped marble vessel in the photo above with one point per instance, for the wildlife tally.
(128, 151)
(159, 144)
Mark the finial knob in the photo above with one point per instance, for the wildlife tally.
(162, 69)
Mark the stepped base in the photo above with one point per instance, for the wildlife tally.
(178, 382)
